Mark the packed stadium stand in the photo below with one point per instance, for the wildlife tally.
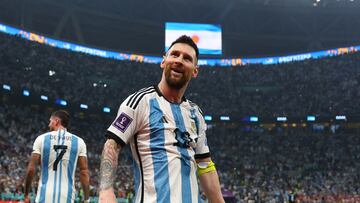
(272, 162)
(322, 87)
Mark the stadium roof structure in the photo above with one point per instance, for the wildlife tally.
(251, 28)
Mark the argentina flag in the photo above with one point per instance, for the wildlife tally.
(206, 36)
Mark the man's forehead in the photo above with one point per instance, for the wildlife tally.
(185, 48)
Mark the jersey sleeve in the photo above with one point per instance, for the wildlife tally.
(82, 148)
(202, 149)
(37, 145)
(125, 125)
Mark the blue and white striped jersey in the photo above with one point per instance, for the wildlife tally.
(165, 138)
(59, 152)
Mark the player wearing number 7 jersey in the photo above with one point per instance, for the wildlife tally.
(58, 152)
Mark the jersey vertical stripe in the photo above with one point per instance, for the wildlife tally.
(44, 164)
(159, 156)
(55, 173)
(185, 157)
(141, 196)
(71, 167)
(60, 167)
(136, 176)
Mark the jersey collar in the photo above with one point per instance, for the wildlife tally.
(183, 99)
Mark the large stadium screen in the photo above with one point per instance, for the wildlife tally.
(206, 36)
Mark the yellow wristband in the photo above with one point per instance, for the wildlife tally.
(210, 167)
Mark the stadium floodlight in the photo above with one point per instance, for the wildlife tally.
(254, 119)
(310, 118)
(340, 117)
(61, 102)
(208, 118)
(106, 109)
(224, 118)
(26, 93)
(43, 97)
(51, 72)
(6, 87)
(281, 118)
(83, 106)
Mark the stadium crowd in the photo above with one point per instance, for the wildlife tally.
(255, 163)
(320, 87)
(273, 165)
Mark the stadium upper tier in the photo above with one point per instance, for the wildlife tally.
(325, 87)
(225, 62)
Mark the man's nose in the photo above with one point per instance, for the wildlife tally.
(179, 59)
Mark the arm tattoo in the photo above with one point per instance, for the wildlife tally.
(108, 165)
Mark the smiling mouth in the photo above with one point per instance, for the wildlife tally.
(176, 74)
(176, 71)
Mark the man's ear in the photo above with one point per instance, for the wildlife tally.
(57, 121)
(162, 64)
(196, 72)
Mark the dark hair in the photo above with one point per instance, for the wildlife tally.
(63, 116)
(186, 40)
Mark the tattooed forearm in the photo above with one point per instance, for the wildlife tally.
(108, 165)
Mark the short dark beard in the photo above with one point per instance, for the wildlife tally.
(174, 84)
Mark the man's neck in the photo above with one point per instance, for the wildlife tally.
(59, 128)
(170, 94)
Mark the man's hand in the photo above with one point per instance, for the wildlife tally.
(27, 199)
(107, 196)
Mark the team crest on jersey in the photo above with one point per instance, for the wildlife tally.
(122, 122)
(193, 121)
(193, 125)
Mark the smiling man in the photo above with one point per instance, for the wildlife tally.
(166, 133)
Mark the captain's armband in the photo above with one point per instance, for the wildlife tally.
(205, 167)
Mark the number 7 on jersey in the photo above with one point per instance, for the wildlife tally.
(63, 149)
